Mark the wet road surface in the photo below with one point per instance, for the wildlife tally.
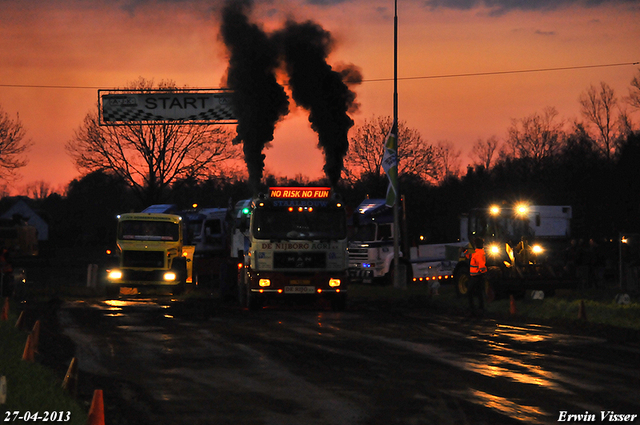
(175, 362)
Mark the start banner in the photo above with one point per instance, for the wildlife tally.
(197, 106)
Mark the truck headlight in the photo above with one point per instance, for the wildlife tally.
(494, 249)
(169, 276)
(537, 249)
(114, 275)
(334, 282)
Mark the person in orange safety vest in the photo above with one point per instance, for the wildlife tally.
(477, 271)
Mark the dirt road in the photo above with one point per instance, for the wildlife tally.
(200, 362)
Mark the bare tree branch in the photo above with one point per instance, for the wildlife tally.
(537, 136)
(483, 152)
(13, 146)
(366, 151)
(634, 91)
(448, 160)
(597, 107)
(150, 158)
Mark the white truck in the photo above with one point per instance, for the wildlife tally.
(371, 251)
(296, 248)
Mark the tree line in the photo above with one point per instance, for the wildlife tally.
(590, 165)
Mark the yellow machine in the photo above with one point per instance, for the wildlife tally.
(151, 252)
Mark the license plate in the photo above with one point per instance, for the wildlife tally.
(299, 289)
(300, 282)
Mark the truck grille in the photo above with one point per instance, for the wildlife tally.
(299, 260)
(151, 259)
(358, 255)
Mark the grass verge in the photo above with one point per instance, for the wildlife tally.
(599, 305)
(31, 387)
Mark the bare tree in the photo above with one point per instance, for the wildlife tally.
(150, 158)
(538, 136)
(447, 159)
(483, 152)
(366, 148)
(38, 189)
(634, 91)
(12, 146)
(598, 109)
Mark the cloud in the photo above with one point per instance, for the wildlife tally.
(500, 7)
(325, 2)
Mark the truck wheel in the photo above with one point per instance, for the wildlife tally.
(461, 278)
(229, 282)
(112, 290)
(339, 302)
(461, 281)
(390, 277)
(492, 283)
(182, 279)
(178, 289)
(242, 293)
(253, 303)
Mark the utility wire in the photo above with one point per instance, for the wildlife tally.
(374, 80)
(521, 71)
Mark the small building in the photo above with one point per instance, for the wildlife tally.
(21, 208)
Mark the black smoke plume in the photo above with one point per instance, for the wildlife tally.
(258, 102)
(321, 90)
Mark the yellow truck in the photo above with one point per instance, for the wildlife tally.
(152, 252)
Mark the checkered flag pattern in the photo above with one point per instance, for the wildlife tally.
(127, 115)
(187, 108)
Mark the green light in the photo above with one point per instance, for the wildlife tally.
(245, 211)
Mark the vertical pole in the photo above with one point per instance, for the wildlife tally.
(399, 280)
(620, 237)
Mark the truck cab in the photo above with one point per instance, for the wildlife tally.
(207, 232)
(371, 249)
(296, 248)
(151, 252)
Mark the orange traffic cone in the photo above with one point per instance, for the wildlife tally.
(70, 382)
(512, 306)
(96, 411)
(582, 313)
(20, 320)
(35, 336)
(28, 353)
(5, 310)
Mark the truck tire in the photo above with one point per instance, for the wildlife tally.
(181, 272)
(390, 277)
(461, 278)
(242, 291)
(112, 290)
(253, 303)
(339, 302)
(229, 281)
(493, 283)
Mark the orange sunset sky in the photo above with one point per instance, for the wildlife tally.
(56, 54)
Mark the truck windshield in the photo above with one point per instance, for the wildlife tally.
(148, 230)
(279, 224)
(364, 233)
(502, 228)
